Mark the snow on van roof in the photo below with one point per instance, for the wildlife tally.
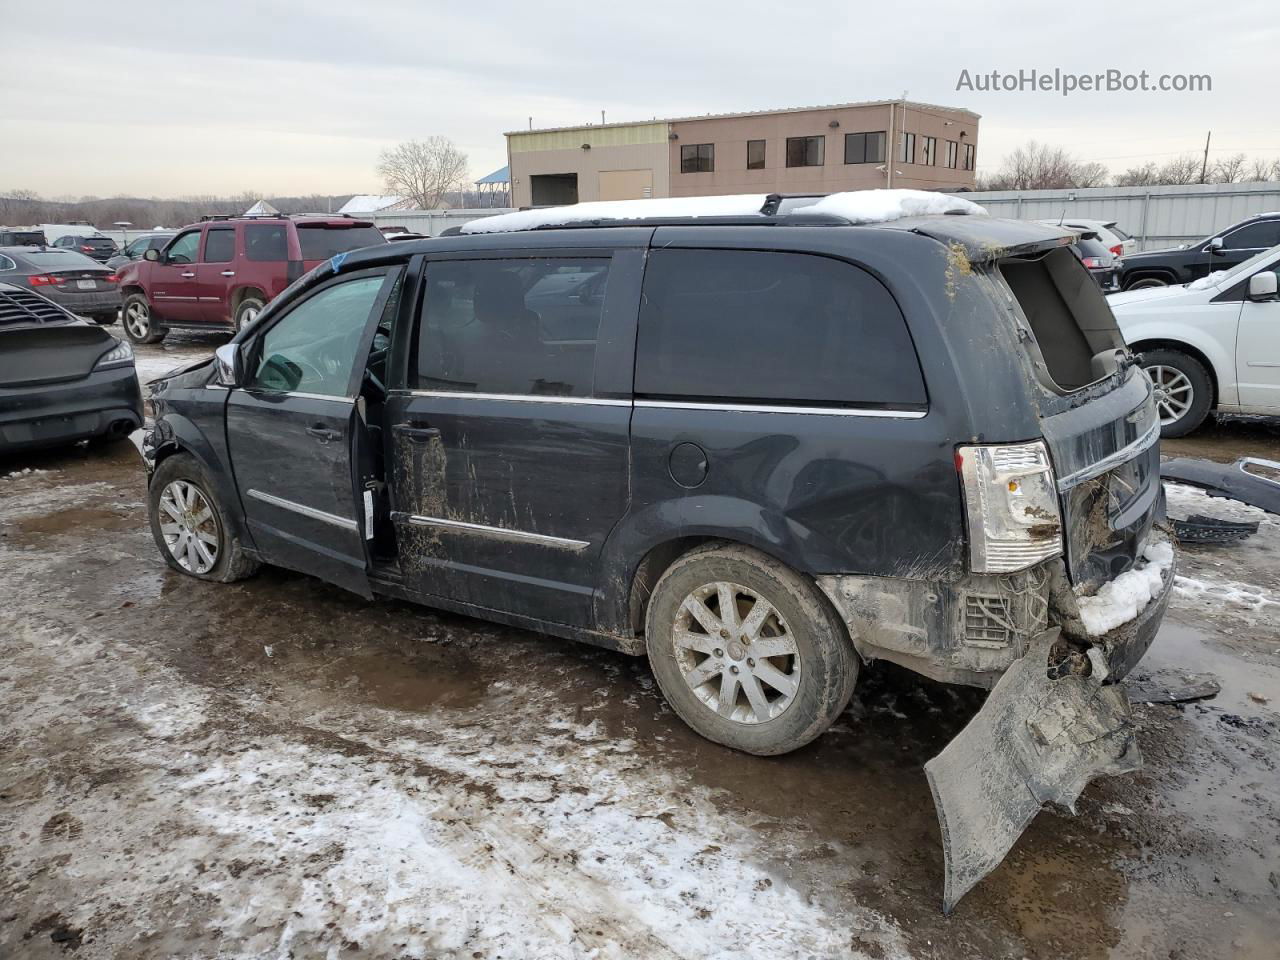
(858, 206)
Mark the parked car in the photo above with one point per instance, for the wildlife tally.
(99, 248)
(1103, 265)
(61, 379)
(762, 449)
(1218, 252)
(69, 279)
(1213, 344)
(139, 245)
(1113, 238)
(21, 237)
(220, 273)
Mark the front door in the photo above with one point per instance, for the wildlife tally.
(510, 445)
(1258, 353)
(173, 279)
(290, 429)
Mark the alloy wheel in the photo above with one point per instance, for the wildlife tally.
(1174, 393)
(189, 526)
(736, 652)
(137, 320)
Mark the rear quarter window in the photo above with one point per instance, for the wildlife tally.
(784, 328)
(265, 242)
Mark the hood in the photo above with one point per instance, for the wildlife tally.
(1145, 295)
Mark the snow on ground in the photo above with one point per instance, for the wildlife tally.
(153, 366)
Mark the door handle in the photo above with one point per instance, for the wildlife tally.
(228, 273)
(416, 431)
(323, 433)
(187, 276)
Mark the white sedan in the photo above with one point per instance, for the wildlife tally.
(1213, 344)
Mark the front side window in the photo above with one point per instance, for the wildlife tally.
(220, 245)
(266, 242)
(776, 328)
(312, 349)
(697, 158)
(183, 249)
(755, 154)
(806, 151)
(136, 249)
(518, 326)
(864, 147)
(1256, 236)
(907, 148)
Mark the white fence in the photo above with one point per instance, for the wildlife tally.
(432, 223)
(1155, 216)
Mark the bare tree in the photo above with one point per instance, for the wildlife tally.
(1261, 170)
(1041, 166)
(423, 170)
(1229, 169)
(1143, 176)
(1184, 169)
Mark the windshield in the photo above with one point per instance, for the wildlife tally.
(1239, 271)
(320, 242)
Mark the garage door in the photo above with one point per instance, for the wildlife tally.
(626, 184)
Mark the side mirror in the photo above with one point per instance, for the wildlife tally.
(227, 358)
(1262, 286)
(152, 255)
(1215, 245)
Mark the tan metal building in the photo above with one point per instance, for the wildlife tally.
(801, 150)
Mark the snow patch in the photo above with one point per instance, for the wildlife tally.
(1123, 598)
(1227, 593)
(859, 206)
(1212, 280)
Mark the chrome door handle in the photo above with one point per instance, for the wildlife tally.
(187, 276)
(228, 273)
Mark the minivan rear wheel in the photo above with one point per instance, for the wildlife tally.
(192, 529)
(748, 653)
(1183, 391)
(139, 327)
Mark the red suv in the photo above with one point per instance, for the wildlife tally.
(221, 272)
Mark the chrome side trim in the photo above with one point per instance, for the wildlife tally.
(1123, 455)
(517, 397)
(303, 509)
(501, 533)
(766, 408)
(290, 393)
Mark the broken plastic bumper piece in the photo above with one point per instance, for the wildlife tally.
(1036, 741)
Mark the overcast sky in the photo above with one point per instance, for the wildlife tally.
(174, 99)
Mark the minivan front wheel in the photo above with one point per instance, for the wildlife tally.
(138, 324)
(190, 526)
(1183, 392)
(748, 652)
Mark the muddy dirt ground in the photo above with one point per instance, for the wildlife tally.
(276, 768)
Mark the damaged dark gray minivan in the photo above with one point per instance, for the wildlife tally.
(762, 446)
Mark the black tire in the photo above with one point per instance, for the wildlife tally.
(1201, 390)
(825, 661)
(247, 307)
(139, 326)
(105, 319)
(232, 563)
(1143, 282)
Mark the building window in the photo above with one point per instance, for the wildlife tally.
(806, 151)
(755, 154)
(949, 159)
(907, 148)
(930, 152)
(697, 158)
(864, 147)
(968, 156)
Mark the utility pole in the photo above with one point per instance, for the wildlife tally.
(1204, 167)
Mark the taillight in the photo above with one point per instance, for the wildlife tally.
(44, 280)
(1011, 502)
(110, 278)
(87, 249)
(1093, 263)
(1117, 250)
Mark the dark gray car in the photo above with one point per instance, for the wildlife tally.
(69, 279)
(761, 448)
(135, 248)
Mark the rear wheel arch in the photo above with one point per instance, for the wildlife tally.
(245, 293)
(1162, 274)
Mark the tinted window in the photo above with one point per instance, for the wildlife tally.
(511, 326)
(136, 249)
(265, 242)
(1265, 233)
(755, 154)
(773, 327)
(313, 347)
(864, 147)
(184, 248)
(220, 245)
(806, 151)
(321, 243)
(6, 263)
(697, 157)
